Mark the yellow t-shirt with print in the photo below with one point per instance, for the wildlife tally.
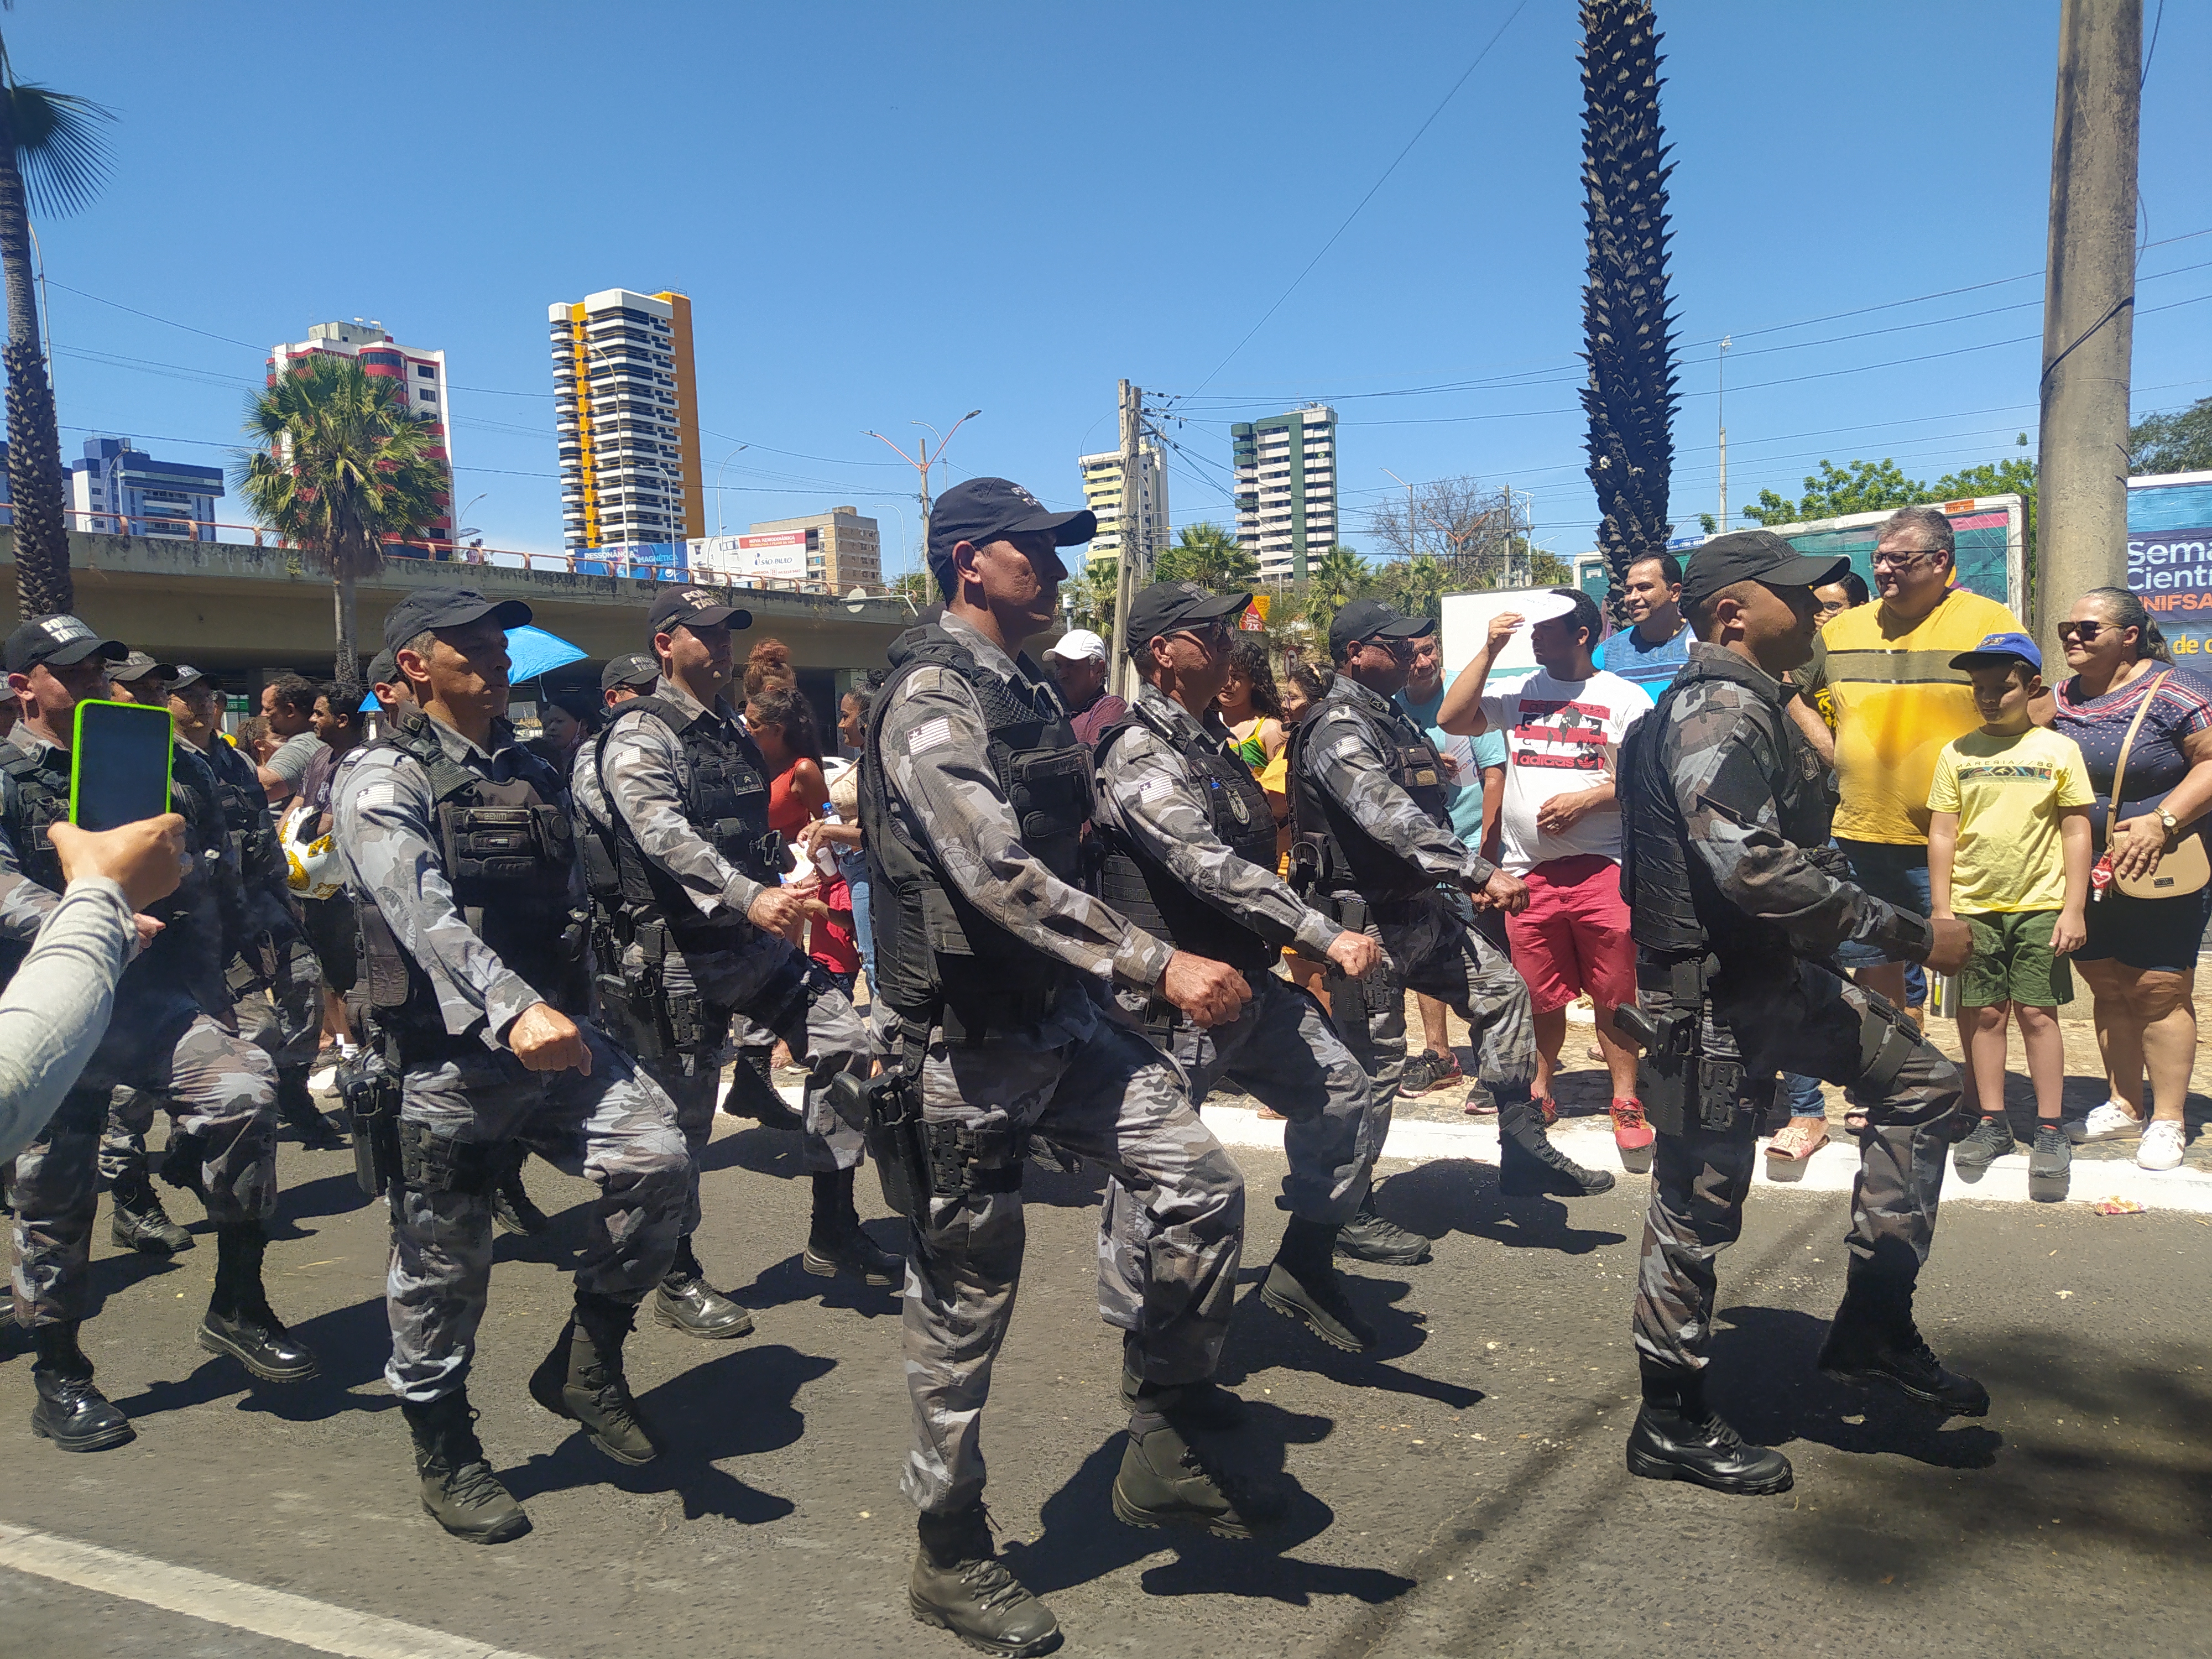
(1897, 701)
(2008, 792)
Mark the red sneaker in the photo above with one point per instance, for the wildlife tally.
(1632, 1134)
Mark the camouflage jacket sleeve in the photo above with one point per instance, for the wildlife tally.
(24, 905)
(1342, 759)
(386, 837)
(1721, 758)
(1145, 790)
(934, 750)
(640, 772)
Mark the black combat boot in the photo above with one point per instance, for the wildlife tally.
(582, 1380)
(240, 1320)
(686, 1302)
(1201, 1404)
(139, 1223)
(1677, 1436)
(1165, 1482)
(753, 1093)
(1873, 1339)
(835, 1242)
(960, 1584)
(1528, 1163)
(511, 1209)
(459, 1491)
(71, 1413)
(1304, 1284)
(295, 1104)
(1368, 1238)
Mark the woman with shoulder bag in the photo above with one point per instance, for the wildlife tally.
(2148, 725)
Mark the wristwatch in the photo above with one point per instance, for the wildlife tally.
(2172, 824)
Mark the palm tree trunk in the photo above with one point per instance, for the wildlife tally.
(348, 664)
(34, 454)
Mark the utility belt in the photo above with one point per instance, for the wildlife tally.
(636, 1007)
(1009, 1011)
(916, 1160)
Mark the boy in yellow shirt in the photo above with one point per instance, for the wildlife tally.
(2009, 853)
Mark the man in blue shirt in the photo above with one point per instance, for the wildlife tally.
(1650, 653)
(1478, 787)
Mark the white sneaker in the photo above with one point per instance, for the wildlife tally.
(2110, 1121)
(2162, 1147)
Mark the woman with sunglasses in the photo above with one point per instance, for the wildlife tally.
(2141, 956)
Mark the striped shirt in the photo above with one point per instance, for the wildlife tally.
(1897, 701)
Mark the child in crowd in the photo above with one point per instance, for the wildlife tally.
(2008, 853)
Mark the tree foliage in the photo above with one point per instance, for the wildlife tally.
(1091, 597)
(1332, 581)
(1208, 555)
(1881, 486)
(2177, 440)
(1474, 532)
(342, 467)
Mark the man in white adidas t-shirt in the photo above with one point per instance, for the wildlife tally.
(1560, 828)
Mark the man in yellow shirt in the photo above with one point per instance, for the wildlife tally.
(1886, 670)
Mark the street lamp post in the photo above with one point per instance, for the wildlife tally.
(725, 461)
(927, 461)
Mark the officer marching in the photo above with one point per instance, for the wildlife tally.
(457, 846)
(1189, 847)
(167, 1037)
(975, 794)
(689, 924)
(1735, 902)
(1375, 851)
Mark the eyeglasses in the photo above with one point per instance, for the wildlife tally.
(1898, 560)
(2086, 632)
(1215, 633)
(1401, 649)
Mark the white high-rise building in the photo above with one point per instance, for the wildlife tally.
(626, 420)
(1286, 488)
(1102, 494)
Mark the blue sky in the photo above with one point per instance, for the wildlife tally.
(891, 213)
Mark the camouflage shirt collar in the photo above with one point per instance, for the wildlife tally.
(1720, 663)
(462, 750)
(1179, 718)
(668, 691)
(32, 743)
(1372, 703)
(983, 649)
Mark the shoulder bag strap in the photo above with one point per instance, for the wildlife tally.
(2120, 771)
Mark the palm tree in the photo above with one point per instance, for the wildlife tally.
(1332, 581)
(53, 155)
(1210, 556)
(1628, 337)
(341, 468)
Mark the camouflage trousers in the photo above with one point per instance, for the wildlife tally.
(1437, 945)
(1105, 1095)
(1282, 1051)
(219, 1089)
(614, 1127)
(772, 991)
(1811, 1019)
(284, 1021)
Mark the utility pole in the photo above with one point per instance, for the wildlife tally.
(1720, 404)
(1128, 552)
(920, 466)
(2089, 308)
(1413, 527)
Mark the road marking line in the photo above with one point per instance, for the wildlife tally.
(221, 1601)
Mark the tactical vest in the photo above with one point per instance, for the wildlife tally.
(1332, 853)
(938, 960)
(1665, 885)
(506, 852)
(246, 815)
(1137, 884)
(726, 800)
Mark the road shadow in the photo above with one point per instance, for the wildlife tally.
(1082, 1541)
(779, 1152)
(1457, 1194)
(351, 1344)
(1261, 1339)
(336, 1193)
(731, 1406)
(784, 1282)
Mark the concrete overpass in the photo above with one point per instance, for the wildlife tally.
(243, 613)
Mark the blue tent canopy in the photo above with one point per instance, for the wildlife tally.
(531, 652)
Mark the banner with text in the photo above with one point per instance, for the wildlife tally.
(2170, 558)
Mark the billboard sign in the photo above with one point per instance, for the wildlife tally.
(2170, 558)
(781, 555)
(658, 559)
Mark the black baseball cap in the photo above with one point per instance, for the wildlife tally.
(449, 607)
(187, 676)
(1371, 619)
(1164, 607)
(636, 669)
(694, 607)
(138, 666)
(980, 510)
(384, 669)
(58, 641)
(1760, 555)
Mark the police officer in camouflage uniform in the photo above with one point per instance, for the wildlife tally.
(458, 850)
(974, 798)
(1190, 845)
(1374, 848)
(163, 1039)
(690, 921)
(1736, 905)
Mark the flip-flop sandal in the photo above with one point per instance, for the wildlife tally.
(1856, 1120)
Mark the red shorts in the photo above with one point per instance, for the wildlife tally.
(1572, 939)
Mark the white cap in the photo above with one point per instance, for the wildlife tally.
(1077, 644)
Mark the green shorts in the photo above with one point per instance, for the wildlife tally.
(2013, 963)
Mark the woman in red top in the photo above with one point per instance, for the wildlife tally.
(782, 722)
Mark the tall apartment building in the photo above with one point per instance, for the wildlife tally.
(1286, 488)
(422, 378)
(117, 490)
(1102, 494)
(843, 549)
(626, 416)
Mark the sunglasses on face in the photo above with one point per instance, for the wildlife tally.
(1215, 633)
(2086, 632)
(1400, 649)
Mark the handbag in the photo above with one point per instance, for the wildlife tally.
(2184, 868)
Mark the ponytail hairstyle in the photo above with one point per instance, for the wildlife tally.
(2126, 610)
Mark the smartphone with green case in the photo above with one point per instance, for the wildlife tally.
(120, 764)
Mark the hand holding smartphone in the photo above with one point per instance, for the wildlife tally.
(120, 764)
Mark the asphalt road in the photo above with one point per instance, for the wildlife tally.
(1462, 1492)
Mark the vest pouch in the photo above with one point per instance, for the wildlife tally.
(489, 843)
(1417, 768)
(386, 979)
(1051, 792)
